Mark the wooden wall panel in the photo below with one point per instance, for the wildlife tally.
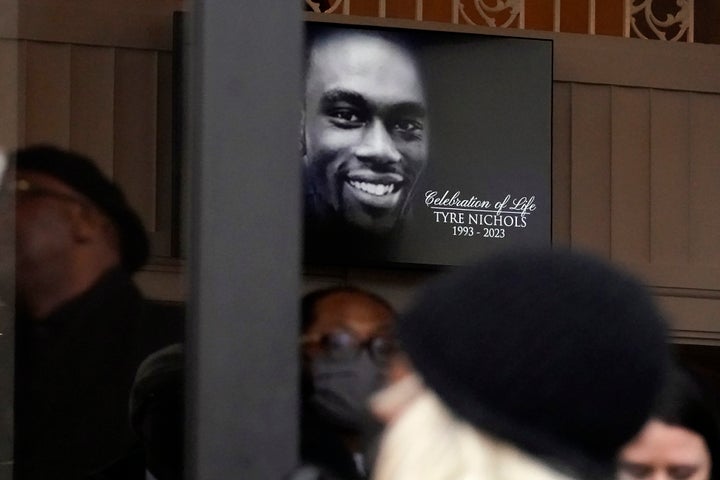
(430, 11)
(9, 18)
(669, 187)
(704, 179)
(692, 319)
(540, 15)
(135, 136)
(9, 89)
(609, 17)
(92, 89)
(437, 11)
(561, 169)
(698, 276)
(162, 235)
(630, 167)
(367, 8)
(600, 59)
(22, 93)
(590, 156)
(47, 98)
(112, 23)
(574, 15)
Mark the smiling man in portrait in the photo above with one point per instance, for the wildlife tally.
(365, 131)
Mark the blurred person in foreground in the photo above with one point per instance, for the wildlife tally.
(681, 441)
(528, 365)
(83, 327)
(347, 339)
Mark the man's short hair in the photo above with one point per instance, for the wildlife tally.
(307, 309)
(319, 33)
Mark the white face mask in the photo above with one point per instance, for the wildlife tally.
(342, 388)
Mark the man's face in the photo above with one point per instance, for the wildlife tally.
(361, 317)
(345, 352)
(365, 129)
(663, 451)
(43, 229)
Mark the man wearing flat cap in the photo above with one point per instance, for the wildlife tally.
(82, 325)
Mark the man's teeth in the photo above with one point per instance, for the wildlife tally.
(378, 189)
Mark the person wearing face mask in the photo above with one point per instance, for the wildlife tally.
(347, 339)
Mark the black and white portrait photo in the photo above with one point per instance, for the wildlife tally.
(400, 156)
(365, 130)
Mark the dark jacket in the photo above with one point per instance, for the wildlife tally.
(74, 371)
(323, 450)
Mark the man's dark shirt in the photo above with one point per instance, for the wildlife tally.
(322, 446)
(74, 371)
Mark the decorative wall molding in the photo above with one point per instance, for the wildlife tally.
(331, 6)
(667, 20)
(655, 20)
(501, 13)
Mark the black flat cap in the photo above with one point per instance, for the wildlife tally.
(82, 175)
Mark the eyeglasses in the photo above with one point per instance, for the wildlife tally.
(343, 345)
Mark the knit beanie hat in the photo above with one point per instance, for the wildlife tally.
(555, 352)
(82, 175)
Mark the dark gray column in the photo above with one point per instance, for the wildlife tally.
(245, 240)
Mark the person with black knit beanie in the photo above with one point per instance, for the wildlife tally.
(527, 365)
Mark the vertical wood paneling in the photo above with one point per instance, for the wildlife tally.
(22, 93)
(669, 186)
(630, 167)
(609, 17)
(9, 90)
(561, 171)
(704, 178)
(574, 16)
(92, 74)
(368, 8)
(47, 107)
(9, 20)
(400, 9)
(590, 154)
(128, 23)
(539, 15)
(436, 11)
(431, 10)
(161, 238)
(135, 122)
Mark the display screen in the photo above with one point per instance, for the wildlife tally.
(424, 147)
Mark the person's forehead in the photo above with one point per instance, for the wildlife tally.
(350, 310)
(359, 61)
(661, 441)
(44, 180)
